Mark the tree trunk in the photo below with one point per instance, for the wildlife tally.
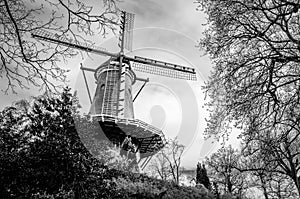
(297, 183)
(263, 185)
(294, 176)
(177, 175)
(229, 184)
(265, 192)
(217, 190)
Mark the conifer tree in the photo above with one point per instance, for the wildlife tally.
(201, 176)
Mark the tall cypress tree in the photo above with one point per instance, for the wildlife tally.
(201, 176)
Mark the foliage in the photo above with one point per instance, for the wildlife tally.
(254, 47)
(201, 176)
(94, 139)
(260, 177)
(158, 167)
(26, 61)
(166, 163)
(223, 172)
(280, 186)
(42, 156)
(278, 152)
(144, 187)
(40, 150)
(112, 158)
(255, 82)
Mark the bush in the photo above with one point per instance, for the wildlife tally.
(42, 156)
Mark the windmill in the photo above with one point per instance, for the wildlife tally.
(112, 104)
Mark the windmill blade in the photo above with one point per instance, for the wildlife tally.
(54, 38)
(166, 69)
(126, 32)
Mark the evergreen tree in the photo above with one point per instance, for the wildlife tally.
(201, 176)
(40, 148)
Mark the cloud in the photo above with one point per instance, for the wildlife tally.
(179, 15)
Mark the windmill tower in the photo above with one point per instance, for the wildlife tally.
(112, 104)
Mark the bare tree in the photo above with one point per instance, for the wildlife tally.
(259, 176)
(25, 61)
(173, 156)
(221, 167)
(159, 167)
(255, 49)
(281, 187)
(255, 82)
(166, 163)
(276, 150)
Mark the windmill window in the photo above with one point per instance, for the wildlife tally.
(102, 86)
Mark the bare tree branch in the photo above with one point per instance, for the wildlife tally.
(25, 61)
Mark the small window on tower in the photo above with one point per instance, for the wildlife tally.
(102, 86)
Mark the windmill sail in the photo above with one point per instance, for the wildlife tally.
(60, 40)
(128, 31)
(126, 34)
(166, 69)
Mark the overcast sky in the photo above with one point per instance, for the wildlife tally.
(166, 30)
